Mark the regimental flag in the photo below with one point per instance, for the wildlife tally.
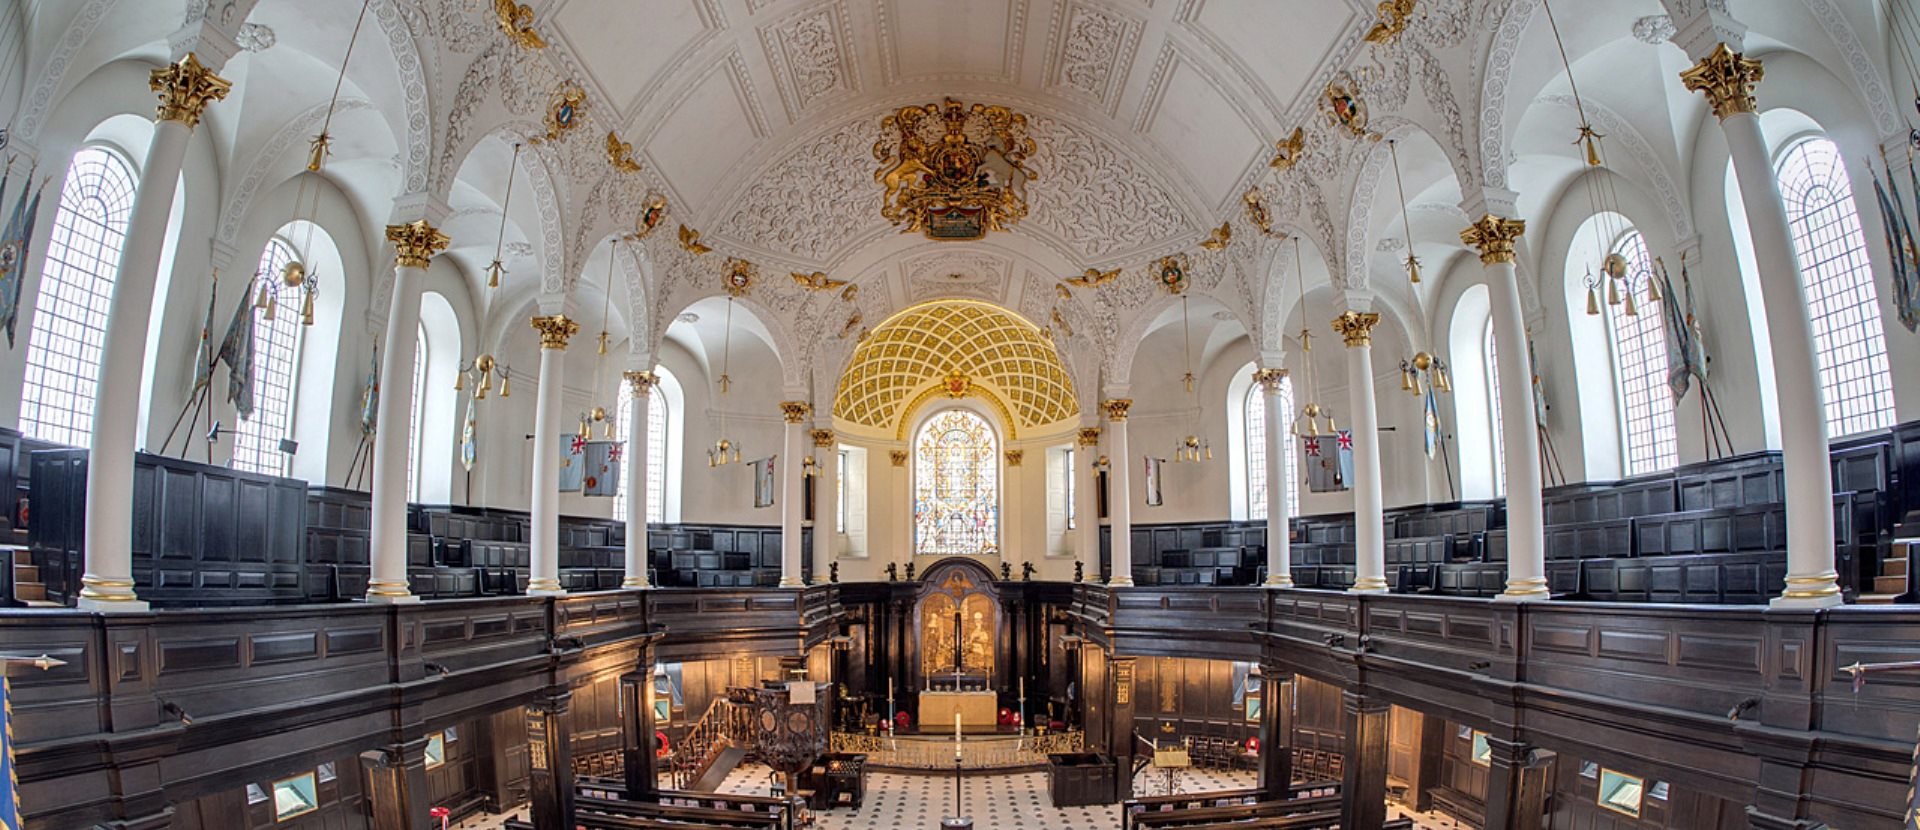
(9, 776)
(1328, 461)
(370, 397)
(1539, 389)
(1907, 281)
(203, 356)
(14, 252)
(1686, 357)
(1432, 407)
(573, 463)
(237, 350)
(602, 464)
(1901, 247)
(469, 437)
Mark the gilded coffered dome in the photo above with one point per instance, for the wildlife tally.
(955, 348)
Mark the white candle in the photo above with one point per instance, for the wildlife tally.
(956, 728)
(1023, 687)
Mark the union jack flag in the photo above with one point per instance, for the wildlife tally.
(578, 446)
(1345, 439)
(1312, 445)
(613, 454)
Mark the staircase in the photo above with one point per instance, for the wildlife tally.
(716, 744)
(1895, 580)
(28, 588)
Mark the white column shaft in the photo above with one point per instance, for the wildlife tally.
(1520, 438)
(1279, 546)
(1120, 504)
(1803, 421)
(392, 437)
(547, 431)
(108, 581)
(1086, 509)
(826, 511)
(636, 473)
(793, 446)
(1369, 532)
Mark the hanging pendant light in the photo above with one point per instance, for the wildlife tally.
(724, 451)
(498, 266)
(1406, 225)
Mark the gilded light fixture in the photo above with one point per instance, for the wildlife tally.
(498, 266)
(1191, 447)
(1311, 412)
(953, 172)
(724, 451)
(598, 414)
(480, 373)
(1422, 372)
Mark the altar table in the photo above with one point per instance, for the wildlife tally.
(979, 711)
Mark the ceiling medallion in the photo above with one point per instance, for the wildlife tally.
(1171, 273)
(563, 114)
(953, 172)
(739, 277)
(956, 384)
(1345, 106)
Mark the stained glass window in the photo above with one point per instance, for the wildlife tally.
(70, 309)
(1640, 353)
(956, 486)
(1847, 336)
(1256, 412)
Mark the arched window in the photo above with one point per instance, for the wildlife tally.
(417, 421)
(656, 458)
(76, 286)
(1847, 334)
(1640, 362)
(1256, 424)
(1493, 407)
(276, 351)
(956, 486)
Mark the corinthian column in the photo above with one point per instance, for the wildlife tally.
(793, 445)
(1370, 568)
(554, 330)
(1728, 79)
(414, 245)
(1279, 546)
(1493, 237)
(641, 383)
(1120, 499)
(185, 88)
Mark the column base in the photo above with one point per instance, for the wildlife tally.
(1121, 582)
(1817, 591)
(1525, 590)
(112, 605)
(635, 582)
(792, 582)
(1816, 601)
(1282, 581)
(546, 592)
(1369, 585)
(392, 599)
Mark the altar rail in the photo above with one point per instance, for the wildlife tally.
(977, 752)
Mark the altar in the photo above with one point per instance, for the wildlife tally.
(978, 711)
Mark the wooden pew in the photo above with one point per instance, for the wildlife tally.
(1235, 813)
(606, 814)
(1218, 798)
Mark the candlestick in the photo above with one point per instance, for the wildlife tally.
(956, 731)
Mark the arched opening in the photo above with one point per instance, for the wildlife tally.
(664, 413)
(1476, 414)
(435, 425)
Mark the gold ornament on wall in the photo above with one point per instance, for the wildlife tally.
(953, 172)
(1171, 273)
(1258, 214)
(1394, 15)
(690, 242)
(852, 325)
(1728, 79)
(1093, 278)
(1060, 324)
(186, 88)
(516, 22)
(555, 330)
(1219, 238)
(1345, 107)
(652, 212)
(816, 281)
(564, 112)
(620, 154)
(738, 278)
(1356, 327)
(1288, 151)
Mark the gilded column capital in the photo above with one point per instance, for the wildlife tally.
(1356, 327)
(796, 412)
(415, 243)
(1728, 79)
(1493, 237)
(823, 438)
(554, 331)
(1269, 379)
(1116, 408)
(1089, 436)
(1014, 457)
(898, 457)
(186, 88)
(641, 383)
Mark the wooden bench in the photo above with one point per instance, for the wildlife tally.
(1201, 816)
(607, 814)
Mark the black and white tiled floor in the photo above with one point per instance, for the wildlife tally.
(996, 802)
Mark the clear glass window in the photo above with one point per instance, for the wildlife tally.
(1640, 360)
(276, 355)
(1256, 425)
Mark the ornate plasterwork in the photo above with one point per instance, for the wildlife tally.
(413, 90)
(1496, 72)
(1096, 198)
(812, 203)
(935, 342)
(1653, 29)
(1866, 75)
(811, 55)
(275, 152)
(41, 98)
(1090, 51)
(1621, 134)
(956, 273)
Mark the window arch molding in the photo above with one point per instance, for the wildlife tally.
(1247, 462)
(437, 413)
(1474, 419)
(666, 410)
(994, 464)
